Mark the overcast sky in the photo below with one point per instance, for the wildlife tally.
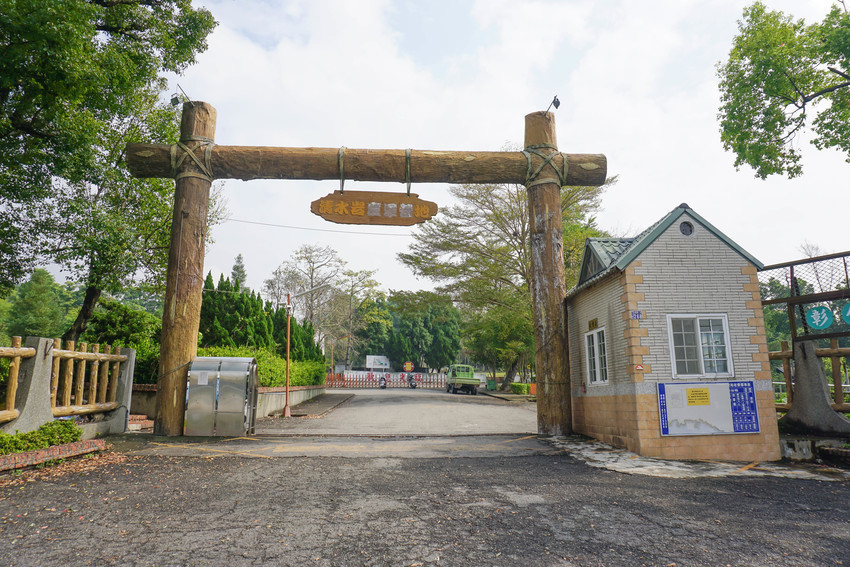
(637, 82)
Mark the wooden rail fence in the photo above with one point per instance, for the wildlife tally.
(81, 382)
(81, 392)
(834, 353)
(15, 353)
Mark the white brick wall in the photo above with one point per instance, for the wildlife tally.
(694, 274)
(681, 274)
(601, 302)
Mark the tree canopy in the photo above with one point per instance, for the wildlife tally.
(238, 274)
(74, 78)
(782, 76)
(422, 327)
(479, 251)
(310, 267)
(234, 318)
(36, 310)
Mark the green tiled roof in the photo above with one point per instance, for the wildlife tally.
(605, 255)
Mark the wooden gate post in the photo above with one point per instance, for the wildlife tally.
(185, 277)
(548, 285)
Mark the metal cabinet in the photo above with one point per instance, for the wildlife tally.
(221, 397)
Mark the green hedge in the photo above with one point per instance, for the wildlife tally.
(272, 368)
(57, 432)
(519, 388)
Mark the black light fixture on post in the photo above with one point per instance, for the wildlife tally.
(555, 102)
(175, 98)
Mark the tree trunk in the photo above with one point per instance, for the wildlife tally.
(548, 288)
(184, 285)
(811, 412)
(509, 375)
(83, 317)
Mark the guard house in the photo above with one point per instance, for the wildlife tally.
(668, 356)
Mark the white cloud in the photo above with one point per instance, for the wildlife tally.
(636, 80)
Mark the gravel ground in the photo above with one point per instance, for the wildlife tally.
(541, 509)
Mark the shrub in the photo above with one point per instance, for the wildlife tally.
(272, 368)
(519, 388)
(118, 324)
(55, 432)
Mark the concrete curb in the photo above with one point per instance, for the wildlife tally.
(30, 458)
(507, 396)
(321, 405)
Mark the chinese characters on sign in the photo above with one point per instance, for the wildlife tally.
(374, 207)
(708, 408)
(819, 317)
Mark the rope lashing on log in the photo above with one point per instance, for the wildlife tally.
(531, 176)
(407, 169)
(341, 161)
(205, 172)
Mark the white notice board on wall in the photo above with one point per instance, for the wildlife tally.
(708, 408)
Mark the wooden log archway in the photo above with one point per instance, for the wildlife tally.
(196, 161)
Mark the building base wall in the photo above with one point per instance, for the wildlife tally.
(632, 422)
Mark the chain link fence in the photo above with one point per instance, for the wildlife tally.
(814, 294)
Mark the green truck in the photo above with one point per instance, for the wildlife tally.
(461, 377)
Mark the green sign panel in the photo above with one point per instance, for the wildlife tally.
(819, 317)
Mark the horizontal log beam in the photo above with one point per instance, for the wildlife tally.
(9, 415)
(12, 352)
(99, 357)
(843, 408)
(65, 411)
(810, 298)
(821, 352)
(261, 162)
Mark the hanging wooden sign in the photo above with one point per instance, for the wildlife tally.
(373, 207)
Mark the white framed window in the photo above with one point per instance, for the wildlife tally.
(699, 345)
(597, 356)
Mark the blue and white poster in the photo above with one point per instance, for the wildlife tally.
(708, 408)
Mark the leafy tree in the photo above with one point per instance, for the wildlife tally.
(118, 324)
(36, 310)
(500, 337)
(778, 70)
(776, 323)
(481, 246)
(426, 329)
(399, 349)
(238, 275)
(141, 298)
(443, 321)
(376, 327)
(276, 287)
(71, 74)
(311, 267)
(112, 231)
(479, 249)
(233, 318)
(354, 289)
(5, 306)
(239, 319)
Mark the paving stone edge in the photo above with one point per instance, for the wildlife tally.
(30, 458)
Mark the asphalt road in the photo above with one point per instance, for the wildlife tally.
(402, 411)
(528, 507)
